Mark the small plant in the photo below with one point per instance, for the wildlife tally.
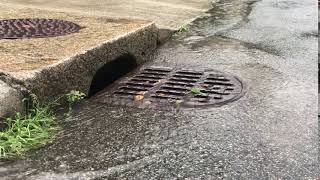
(183, 29)
(181, 32)
(197, 91)
(72, 98)
(75, 96)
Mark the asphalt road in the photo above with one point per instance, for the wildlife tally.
(270, 133)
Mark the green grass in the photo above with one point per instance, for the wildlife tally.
(34, 129)
(183, 29)
(26, 132)
(182, 32)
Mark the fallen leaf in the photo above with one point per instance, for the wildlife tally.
(159, 81)
(138, 97)
(141, 93)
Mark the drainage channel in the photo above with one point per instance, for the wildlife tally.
(163, 87)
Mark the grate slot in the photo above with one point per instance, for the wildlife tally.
(175, 88)
(126, 93)
(183, 80)
(157, 70)
(217, 75)
(190, 72)
(171, 92)
(215, 87)
(130, 88)
(166, 97)
(207, 86)
(153, 73)
(218, 83)
(201, 96)
(148, 77)
(203, 101)
(229, 89)
(214, 92)
(187, 76)
(218, 79)
(144, 80)
(180, 84)
(140, 84)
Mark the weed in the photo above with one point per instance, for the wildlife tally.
(181, 32)
(34, 128)
(26, 132)
(75, 96)
(72, 98)
(183, 29)
(196, 91)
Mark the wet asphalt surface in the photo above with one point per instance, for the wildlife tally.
(270, 133)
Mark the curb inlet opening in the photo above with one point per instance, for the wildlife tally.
(112, 71)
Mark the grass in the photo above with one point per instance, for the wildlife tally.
(183, 29)
(34, 129)
(26, 132)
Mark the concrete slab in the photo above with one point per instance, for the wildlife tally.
(21, 57)
(49, 67)
(165, 13)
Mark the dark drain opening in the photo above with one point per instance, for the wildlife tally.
(112, 71)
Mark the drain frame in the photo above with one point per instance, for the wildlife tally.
(162, 86)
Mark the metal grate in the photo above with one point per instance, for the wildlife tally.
(35, 28)
(162, 86)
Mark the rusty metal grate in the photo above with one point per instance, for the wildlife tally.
(163, 86)
(35, 28)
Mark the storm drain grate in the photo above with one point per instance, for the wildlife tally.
(185, 88)
(35, 28)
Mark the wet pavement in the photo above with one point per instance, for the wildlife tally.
(270, 133)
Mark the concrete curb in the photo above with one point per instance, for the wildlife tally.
(76, 72)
